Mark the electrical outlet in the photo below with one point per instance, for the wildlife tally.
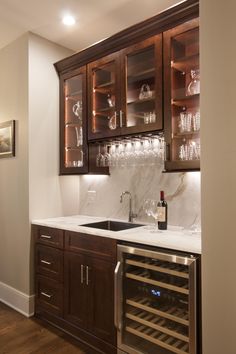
(92, 195)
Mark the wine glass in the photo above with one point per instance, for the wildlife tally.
(147, 209)
(99, 157)
(155, 213)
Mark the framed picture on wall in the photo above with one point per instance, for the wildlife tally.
(7, 139)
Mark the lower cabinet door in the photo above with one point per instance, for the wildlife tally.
(100, 278)
(75, 289)
(49, 295)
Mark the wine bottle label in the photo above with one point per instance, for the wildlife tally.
(161, 214)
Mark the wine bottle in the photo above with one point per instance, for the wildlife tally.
(162, 212)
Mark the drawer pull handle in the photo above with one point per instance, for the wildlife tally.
(46, 236)
(45, 262)
(82, 274)
(87, 275)
(46, 295)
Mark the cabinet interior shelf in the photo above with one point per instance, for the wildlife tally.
(186, 100)
(185, 161)
(71, 148)
(141, 75)
(138, 101)
(185, 64)
(106, 109)
(72, 124)
(73, 94)
(188, 135)
(104, 86)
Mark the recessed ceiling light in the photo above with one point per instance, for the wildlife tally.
(68, 20)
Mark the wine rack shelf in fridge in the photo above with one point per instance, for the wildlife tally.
(156, 302)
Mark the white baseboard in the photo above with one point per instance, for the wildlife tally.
(17, 300)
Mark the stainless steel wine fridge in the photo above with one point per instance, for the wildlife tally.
(155, 302)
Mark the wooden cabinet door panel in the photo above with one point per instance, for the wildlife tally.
(75, 289)
(101, 298)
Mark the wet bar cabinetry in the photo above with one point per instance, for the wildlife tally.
(142, 80)
(125, 91)
(74, 277)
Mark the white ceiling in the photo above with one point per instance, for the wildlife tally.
(96, 19)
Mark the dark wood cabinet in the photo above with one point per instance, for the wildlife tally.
(137, 84)
(89, 295)
(89, 283)
(125, 91)
(182, 97)
(74, 284)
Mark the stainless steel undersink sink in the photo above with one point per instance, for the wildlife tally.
(112, 225)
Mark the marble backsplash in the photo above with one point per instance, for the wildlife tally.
(182, 192)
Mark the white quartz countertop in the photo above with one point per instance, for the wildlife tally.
(174, 238)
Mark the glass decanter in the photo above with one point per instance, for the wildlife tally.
(194, 85)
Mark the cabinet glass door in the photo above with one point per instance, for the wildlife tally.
(184, 98)
(103, 104)
(73, 125)
(142, 101)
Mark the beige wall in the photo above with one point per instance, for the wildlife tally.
(49, 194)
(14, 193)
(218, 162)
(29, 183)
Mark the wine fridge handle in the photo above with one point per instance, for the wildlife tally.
(116, 297)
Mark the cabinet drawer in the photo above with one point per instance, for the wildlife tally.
(97, 245)
(49, 295)
(49, 236)
(49, 262)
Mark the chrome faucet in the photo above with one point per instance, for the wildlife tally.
(132, 215)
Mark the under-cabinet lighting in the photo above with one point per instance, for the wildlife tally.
(68, 20)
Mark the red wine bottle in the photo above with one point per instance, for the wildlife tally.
(162, 211)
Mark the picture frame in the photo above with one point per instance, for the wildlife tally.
(7, 139)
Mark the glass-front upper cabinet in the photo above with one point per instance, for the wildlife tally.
(103, 97)
(141, 101)
(182, 97)
(73, 140)
(125, 91)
